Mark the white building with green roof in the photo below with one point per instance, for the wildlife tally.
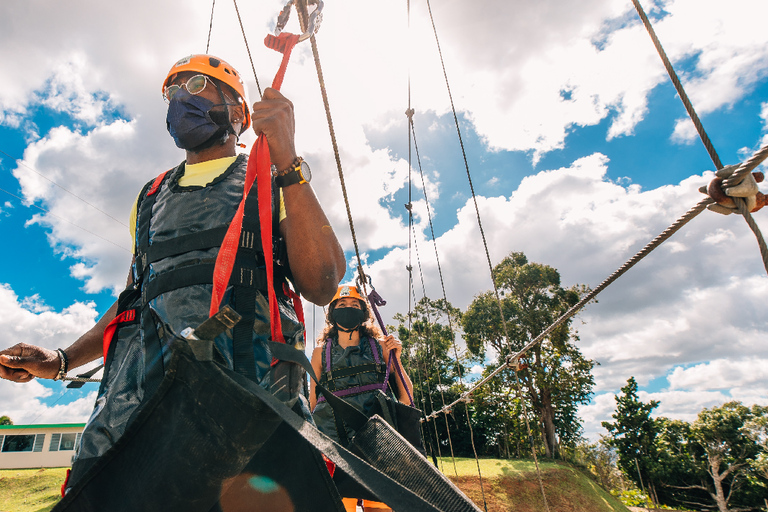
(38, 446)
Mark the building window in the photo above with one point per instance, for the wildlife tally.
(62, 442)
(39, 440)
(67, 442)
(19, 443)
(55, 440)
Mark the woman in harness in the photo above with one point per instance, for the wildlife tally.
(351, 361)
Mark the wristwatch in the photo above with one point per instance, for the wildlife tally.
(298, 172)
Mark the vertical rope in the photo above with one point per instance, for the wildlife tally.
(482, 232)
(250, 57)
(210, 28)
(428, 335)
(445, 297)
(301, 10)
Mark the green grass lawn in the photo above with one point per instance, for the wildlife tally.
(507, 485)
(30, 490)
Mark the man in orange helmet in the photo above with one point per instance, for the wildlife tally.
(178, 223)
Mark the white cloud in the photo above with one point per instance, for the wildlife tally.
(721, 374)
(29, 320)
(24, 405)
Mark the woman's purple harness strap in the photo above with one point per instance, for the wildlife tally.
(357, 389)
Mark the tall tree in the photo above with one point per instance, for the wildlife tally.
(633, 434)
(556, 377)
(5, 420)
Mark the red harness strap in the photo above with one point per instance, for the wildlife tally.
(259, 170)
(109, 330)
(156, 183)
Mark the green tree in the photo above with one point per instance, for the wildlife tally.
(600, 460)
(633, 434)
(715, 462)
(678, 457)
(555, 377)
(428, 356)
(724, 435)
(500, 411)
(5, 420)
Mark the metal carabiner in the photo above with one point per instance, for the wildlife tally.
(362, 282)
(313, 24)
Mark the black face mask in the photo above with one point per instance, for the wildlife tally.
(347, 319)
(193, 123)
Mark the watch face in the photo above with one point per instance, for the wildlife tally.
(305, 172)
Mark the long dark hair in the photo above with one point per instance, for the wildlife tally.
(367, 328)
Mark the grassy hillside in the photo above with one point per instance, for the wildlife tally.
(30, 490)
(513, 485)
(508, 486)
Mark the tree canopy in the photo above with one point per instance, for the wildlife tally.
(554, 376)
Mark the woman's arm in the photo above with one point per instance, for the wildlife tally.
(403, 388)
(317, 365)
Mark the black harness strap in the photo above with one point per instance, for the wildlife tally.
(354, 370)
(153, 353)
(328, 378)
(147, 200)
(250, 249)
(207, 239)
(203, 274)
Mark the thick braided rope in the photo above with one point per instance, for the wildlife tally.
(679, 87)
(744, 168)
(687, 217)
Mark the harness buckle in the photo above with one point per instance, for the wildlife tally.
(313, 24)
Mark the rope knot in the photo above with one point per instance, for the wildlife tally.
(724, 192)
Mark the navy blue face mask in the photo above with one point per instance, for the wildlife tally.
(193, 124)
(347, 319)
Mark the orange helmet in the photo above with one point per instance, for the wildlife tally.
(215, 68)
(347, 290)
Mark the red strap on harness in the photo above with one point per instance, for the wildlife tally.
(156, 183)
(66, 481)
(109, 330)
(259, 169)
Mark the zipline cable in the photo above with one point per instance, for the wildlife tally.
(679, 87)
(736, 177)
(747, 166)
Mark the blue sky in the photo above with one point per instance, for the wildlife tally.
(579, 149)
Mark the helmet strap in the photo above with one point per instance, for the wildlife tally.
(230, 128)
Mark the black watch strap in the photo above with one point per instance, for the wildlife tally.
(298, 172)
